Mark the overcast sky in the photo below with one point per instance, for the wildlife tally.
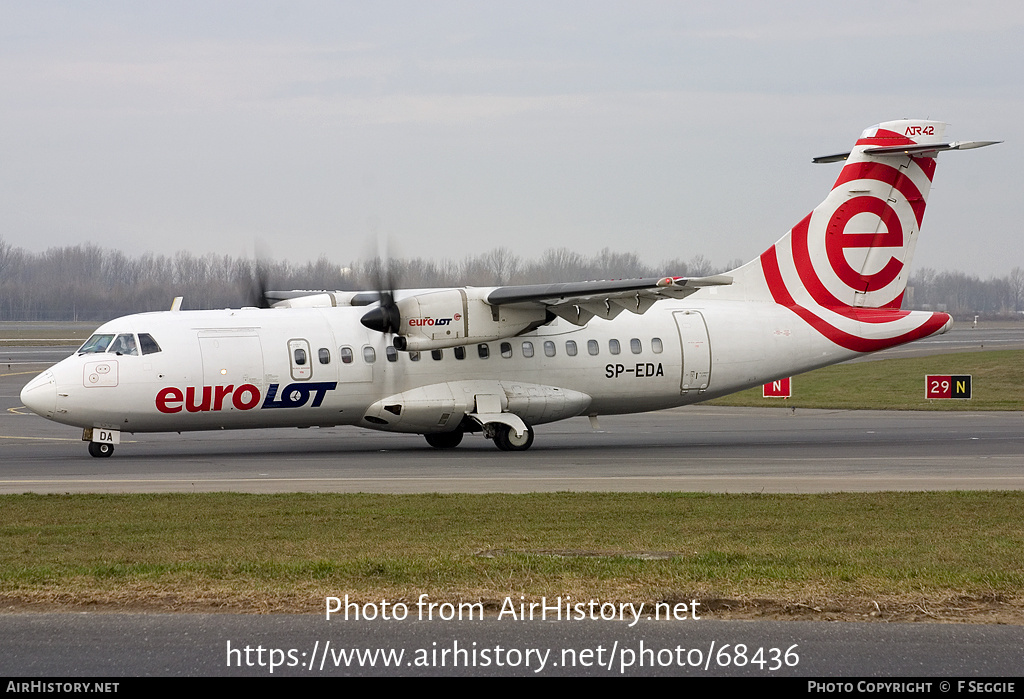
(669, 129)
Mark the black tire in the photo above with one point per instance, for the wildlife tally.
(444, 440)
(100, 450)
(506, 440)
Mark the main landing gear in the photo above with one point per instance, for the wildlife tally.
(100, 449)
(445, 440)
(504, 437)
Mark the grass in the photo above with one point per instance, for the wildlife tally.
(899, 384)
(288, 552)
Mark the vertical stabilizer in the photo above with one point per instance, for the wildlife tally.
(854, 249)
(844, 267)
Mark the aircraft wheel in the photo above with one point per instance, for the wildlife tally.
(100, 449)
(505, 439)
(444, 440)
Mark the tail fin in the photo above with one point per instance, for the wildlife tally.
(844, 267)
(854, 249)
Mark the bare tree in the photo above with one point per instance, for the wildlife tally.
(700, 266)
(6, 257)
(502, 264)
(1016, 280)
(93, 283)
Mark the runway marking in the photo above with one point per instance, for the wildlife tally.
(488, 479)
(20, 373)
(55, 439)
(58, 439)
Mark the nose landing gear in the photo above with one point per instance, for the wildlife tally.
(505, 438)
(100, 449)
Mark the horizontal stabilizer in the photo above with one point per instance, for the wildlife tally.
(925, 150)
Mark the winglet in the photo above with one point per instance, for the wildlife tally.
(679, 282)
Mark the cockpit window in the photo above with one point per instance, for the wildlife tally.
(95, 344)
(148, 344)
(124, 344)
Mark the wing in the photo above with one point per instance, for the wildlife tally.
(578, 302)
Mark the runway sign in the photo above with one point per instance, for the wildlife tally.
(781, 388)
(936, 386)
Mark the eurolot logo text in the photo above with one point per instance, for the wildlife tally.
(420, 322)
(203, 399)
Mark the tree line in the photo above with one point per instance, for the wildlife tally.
(90, 283)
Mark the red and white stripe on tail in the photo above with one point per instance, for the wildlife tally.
(843, 269)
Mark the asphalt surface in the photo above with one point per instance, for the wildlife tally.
(116, 645)
(694, 449)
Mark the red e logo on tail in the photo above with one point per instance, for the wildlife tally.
(837, 240)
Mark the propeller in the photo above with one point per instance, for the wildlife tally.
(257, 292)
(252, 277)
(385, 318)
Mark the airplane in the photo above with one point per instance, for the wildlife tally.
(503, 360)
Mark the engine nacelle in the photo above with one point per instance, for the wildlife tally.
(453, 317)
(322, 299)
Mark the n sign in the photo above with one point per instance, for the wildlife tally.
(781, 388)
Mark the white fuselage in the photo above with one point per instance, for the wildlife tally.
(241, 368)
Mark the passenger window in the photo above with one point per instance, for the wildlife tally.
(483, 351)
(369, 355)
(391, 353)
(634, 346)
(593, 347)
(300, 357)
(527, 349)
(460, 352)
(506, 349)
(613, 346)
(570, 348)
(656, 345)
(325, 355)
(437, 355)
(346, 355)
(148, 344)
(414, 356)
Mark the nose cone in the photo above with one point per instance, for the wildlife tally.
(40, 395)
